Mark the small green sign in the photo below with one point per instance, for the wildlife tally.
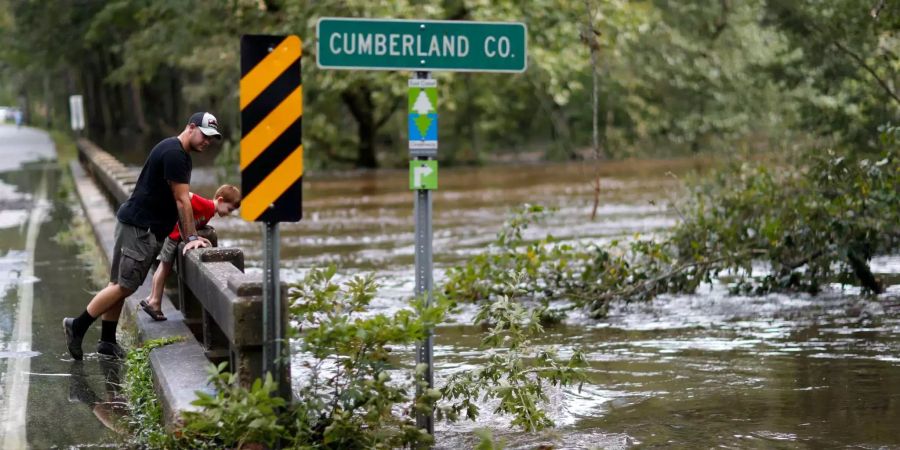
(423, 174)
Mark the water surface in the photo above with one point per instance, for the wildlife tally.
(689, 371)
(47, 400)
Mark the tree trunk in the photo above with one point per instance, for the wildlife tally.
(589, 37)
(138, 105)
(90, 99)
(864, 273)
(558, 119)
(359, 100)
(103, 97)
(173, 119)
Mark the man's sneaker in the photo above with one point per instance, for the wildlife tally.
(110, 349)
(73, 340)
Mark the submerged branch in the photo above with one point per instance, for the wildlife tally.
(646, 286)
(803, 261)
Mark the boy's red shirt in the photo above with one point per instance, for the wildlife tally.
(203, 211)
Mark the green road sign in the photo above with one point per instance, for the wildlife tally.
(421, 45)
(423, 174)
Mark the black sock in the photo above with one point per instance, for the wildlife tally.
(81, 323)
(108, 330)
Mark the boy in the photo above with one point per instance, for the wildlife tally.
(226, 199)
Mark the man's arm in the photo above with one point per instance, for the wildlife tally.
(182, 194)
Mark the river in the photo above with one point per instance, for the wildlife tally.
(686, 371)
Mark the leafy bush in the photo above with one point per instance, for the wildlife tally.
(821, 222)
(348, 396)
(234, 415)
(513, 263)
(820, 219)
(515, 372)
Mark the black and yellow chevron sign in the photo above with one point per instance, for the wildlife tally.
(271, 128)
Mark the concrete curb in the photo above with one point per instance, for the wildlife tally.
(178, 369)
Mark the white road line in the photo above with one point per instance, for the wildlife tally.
(12, 425)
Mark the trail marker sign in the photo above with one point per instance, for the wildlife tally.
(421, 45)
(423, 174)
(423, 115)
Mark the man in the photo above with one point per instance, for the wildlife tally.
(161, 198)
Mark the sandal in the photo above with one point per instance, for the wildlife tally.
(156, 315)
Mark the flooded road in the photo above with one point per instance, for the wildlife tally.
(47, 400)
(698, 371)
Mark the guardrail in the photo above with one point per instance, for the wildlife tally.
(221, 306)
(116, 179)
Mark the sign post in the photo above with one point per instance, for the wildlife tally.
(422, 46)
(271, 165)
(423, 143)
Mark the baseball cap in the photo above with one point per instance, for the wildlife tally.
(207, 123)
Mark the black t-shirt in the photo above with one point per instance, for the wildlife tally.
(151, 204)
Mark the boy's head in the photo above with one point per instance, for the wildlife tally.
(228, 199)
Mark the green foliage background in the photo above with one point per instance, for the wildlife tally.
(673, 77)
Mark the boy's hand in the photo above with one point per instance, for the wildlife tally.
(195, 244)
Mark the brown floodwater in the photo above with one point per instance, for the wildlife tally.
(688, 371)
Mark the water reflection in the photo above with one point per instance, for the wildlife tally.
(108, 406)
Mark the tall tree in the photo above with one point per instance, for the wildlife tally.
(844, 55)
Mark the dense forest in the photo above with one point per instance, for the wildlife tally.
(605, 79)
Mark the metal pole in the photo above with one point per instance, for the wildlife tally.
(273, 332)
(424, 284)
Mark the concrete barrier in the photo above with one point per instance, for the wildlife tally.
(227, 304)
(218, 312)
(116, 179)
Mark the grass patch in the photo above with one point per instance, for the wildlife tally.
(144, 421)
(65, 146)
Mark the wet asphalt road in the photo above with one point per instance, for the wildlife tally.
(47, 400)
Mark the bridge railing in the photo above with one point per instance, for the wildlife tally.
(116, 179)
(222, 305)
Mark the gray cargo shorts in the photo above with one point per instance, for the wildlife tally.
(168, 252)
(133, 255)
